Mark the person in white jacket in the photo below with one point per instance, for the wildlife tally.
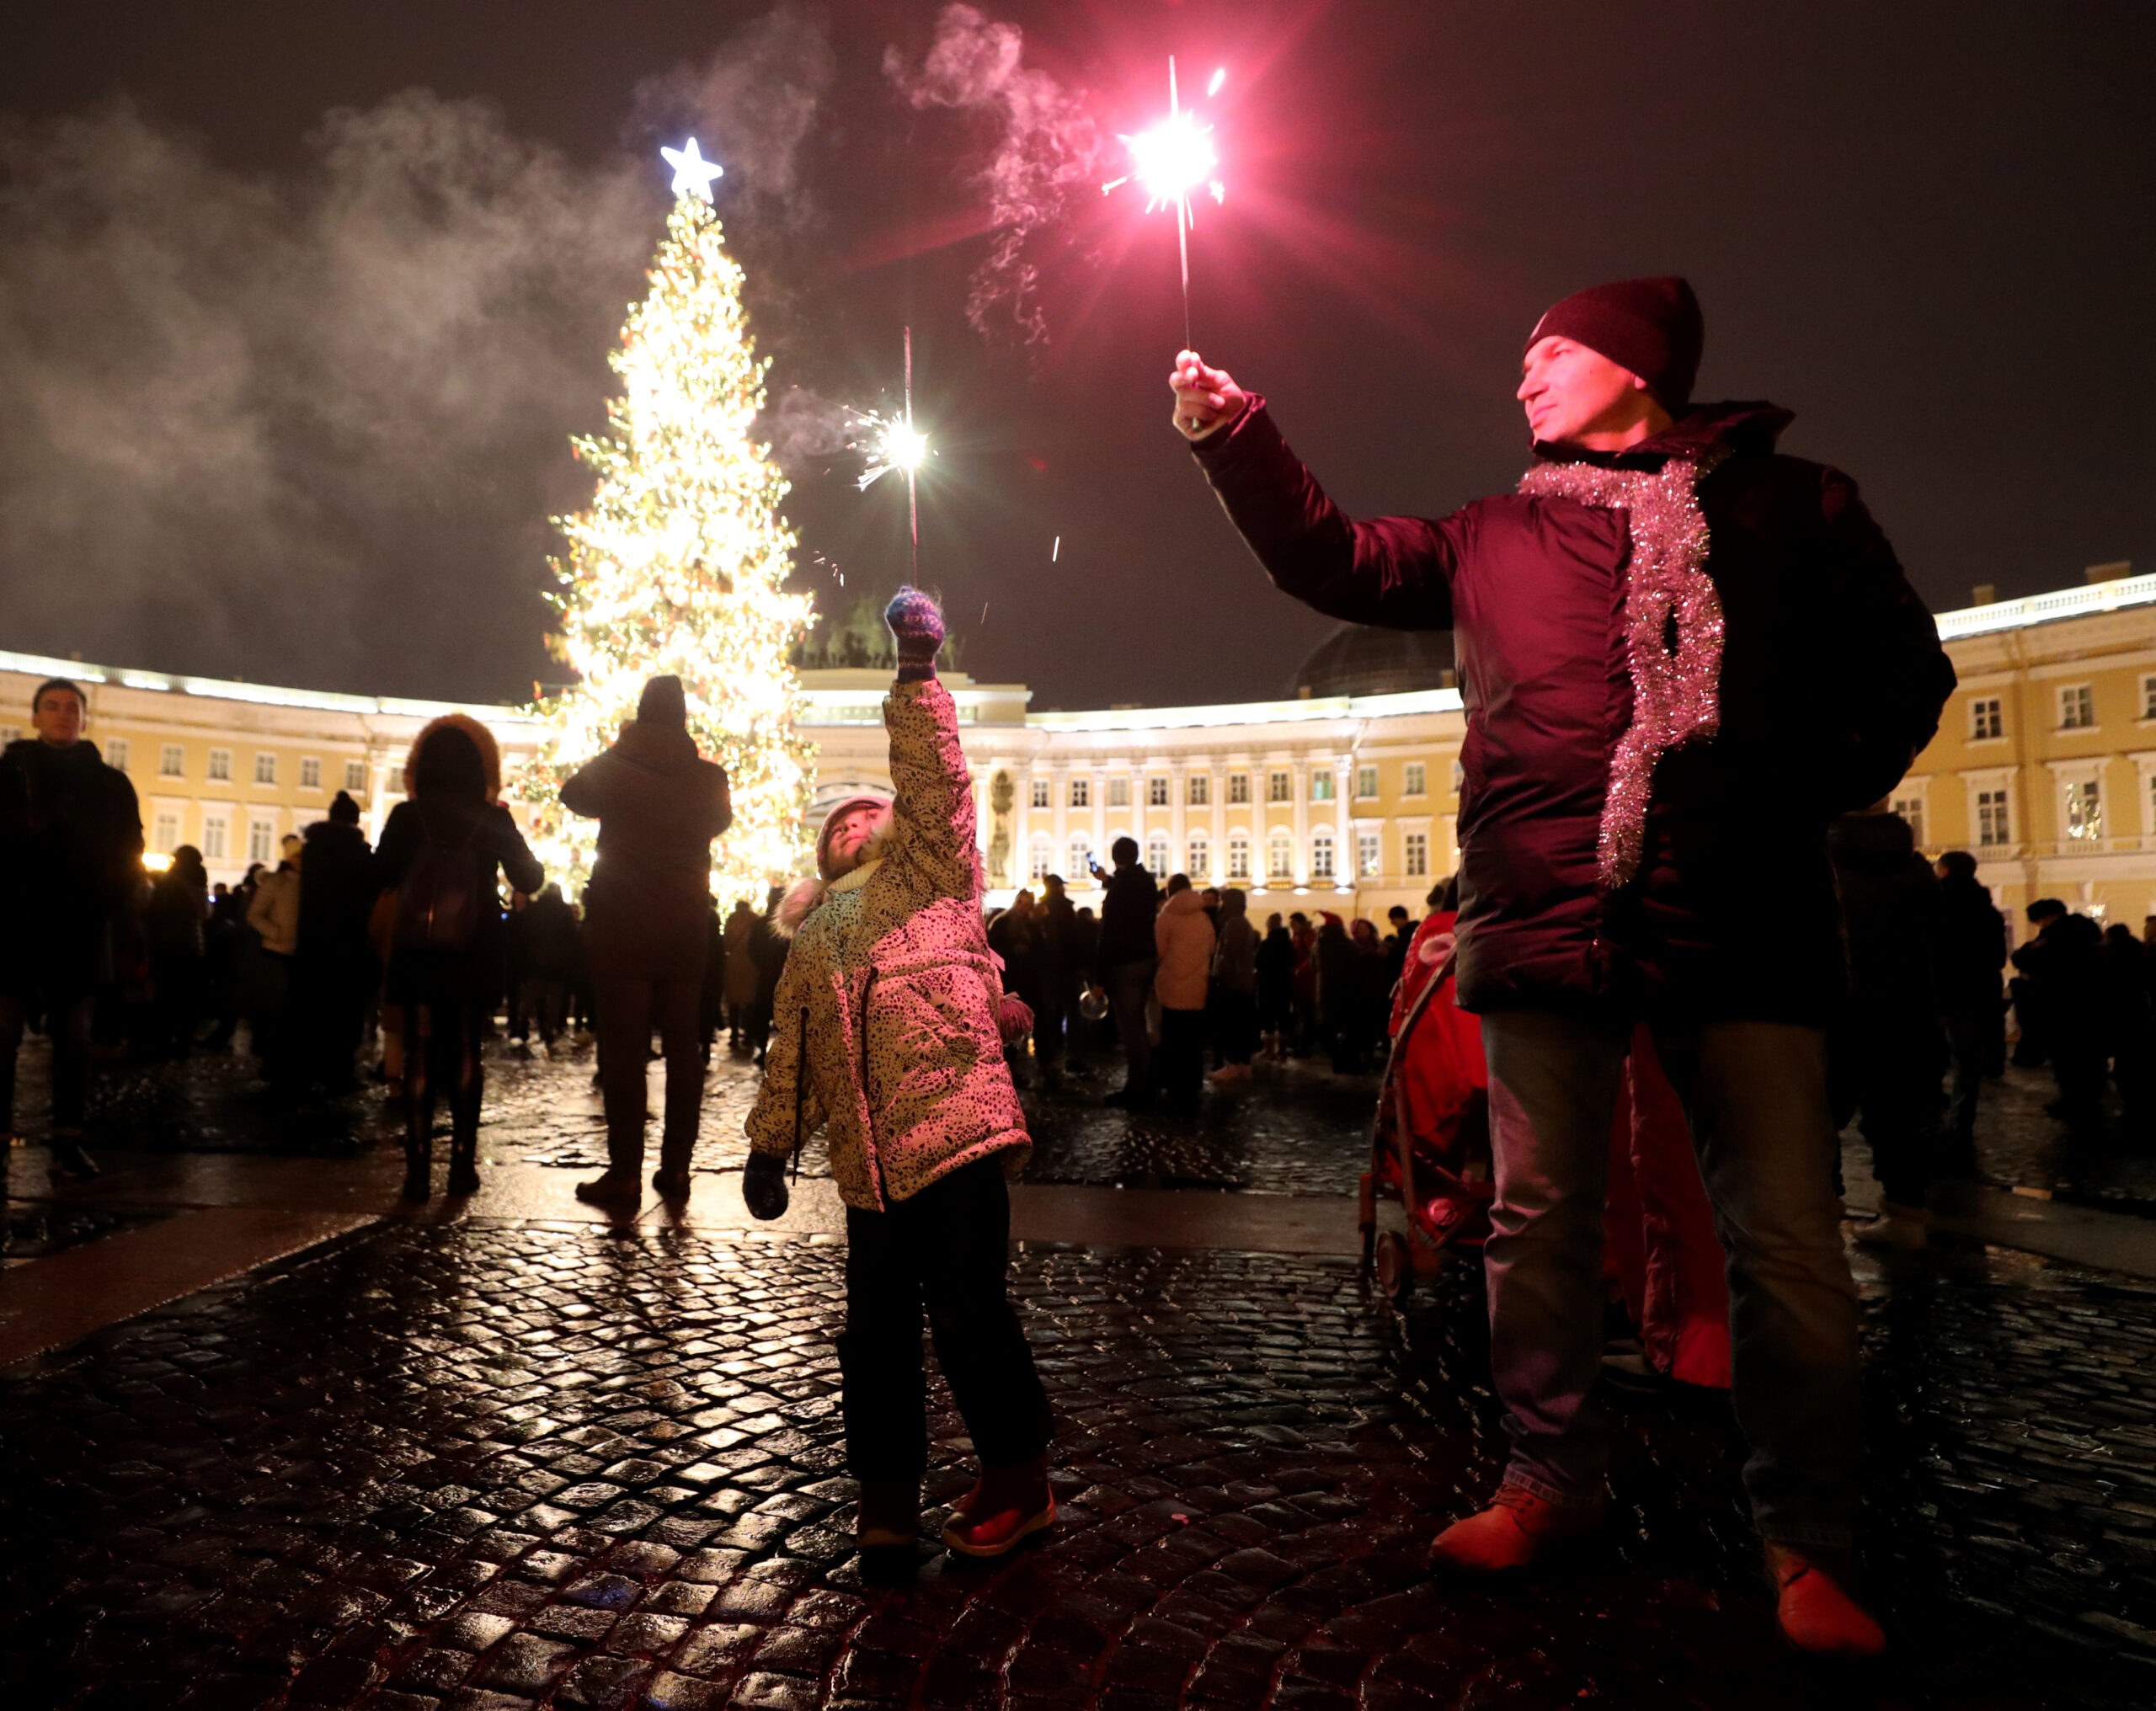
(275, 915)
(1183, 934)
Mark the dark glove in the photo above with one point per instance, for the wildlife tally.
(917, 624)
(763, 1186)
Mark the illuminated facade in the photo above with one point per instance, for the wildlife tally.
(2045, 766)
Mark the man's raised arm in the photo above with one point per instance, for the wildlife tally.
(1391, 571)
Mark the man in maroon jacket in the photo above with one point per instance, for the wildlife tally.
(1681, 654)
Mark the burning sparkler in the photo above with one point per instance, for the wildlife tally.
(894, 444)
(1170, 161)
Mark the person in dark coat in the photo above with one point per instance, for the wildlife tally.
(334, 970)
(2129, 1025)
(2062, 982)
(445, 851)
(1276, 987)
(767, 948)
(174, 922)
(1972, 998)
(71, 856)
(1057, 966)
(647, 929)
(1681, 653)
(1886, 1051)
(552, 957)
(1123, 962)
(1339, 992)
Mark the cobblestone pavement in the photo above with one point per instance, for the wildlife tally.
(489, 1466)
(1296, 1131)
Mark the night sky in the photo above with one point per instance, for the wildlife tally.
(299, 303)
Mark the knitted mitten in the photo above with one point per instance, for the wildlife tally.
(917, 623)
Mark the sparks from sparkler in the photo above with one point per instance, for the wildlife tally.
(1170, 161)
(894, 444)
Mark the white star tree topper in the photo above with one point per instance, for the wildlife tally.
(692, 173)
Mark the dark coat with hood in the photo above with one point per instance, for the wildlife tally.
(337, 895)
(1678, 663)
(1893, 923)
(71, 854)
(659, 804)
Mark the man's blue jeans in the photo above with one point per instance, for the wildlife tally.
(1756, 1094)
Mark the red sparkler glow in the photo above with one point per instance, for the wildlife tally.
(1170, 161)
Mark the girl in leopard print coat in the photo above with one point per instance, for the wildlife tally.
(886, 1031)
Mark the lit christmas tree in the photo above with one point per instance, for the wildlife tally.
(678, 565)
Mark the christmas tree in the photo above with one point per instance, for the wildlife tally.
(677, 567)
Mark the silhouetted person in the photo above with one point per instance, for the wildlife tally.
(1182, 941)
(2034, 1046)
(1885, 1053)
(2129, 1025)
(1013, 936)
(334, 972)
(740, 974)
(2062, 979)
(646, 929)
(275, 915)
(177, 913)
(768, 949)
(1276, 987)
(71, 850)
(1234, 986)
(552, 958)
(444, 851)
(1971, 997)
(1059, 966)
(1339, 994)
(1123, 962)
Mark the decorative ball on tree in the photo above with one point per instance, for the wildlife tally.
(679, 565)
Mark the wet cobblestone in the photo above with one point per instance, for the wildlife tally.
(489, 1467)
(1295, 1131)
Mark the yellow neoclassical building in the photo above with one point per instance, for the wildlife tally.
(1343, 797)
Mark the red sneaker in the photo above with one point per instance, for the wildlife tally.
(1816, 1612)
(1007, 1505)
(1518, 1528)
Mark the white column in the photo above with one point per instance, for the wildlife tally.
(1344, 832)
(1300, 777)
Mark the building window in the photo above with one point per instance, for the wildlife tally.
(115, 753)
(1081, 793)
(1081, 857)
(1200, 790)
(1415, 854)
(1367, 857)
(1156, 792)
(2083, 816)
(1156, 855)
(2076, 707)
(1911, 809)
(355, 777)
(1280, 856)
(221, 764)
(1238, 856)
(1201, 857)
(172, 761)
(1413, 779)
(309, 773)
(1321, 856)
(1280, 786)
(1119, 792)
(1986, 719)
(1992, 823)
(261, 839)
(265, 768)
(214, 835)
(1321, 784)
(1366, 783)
(1238, 786)
(164, 831)
(1041, 798)
(1041, 857)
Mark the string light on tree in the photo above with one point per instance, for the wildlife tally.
(678, 565)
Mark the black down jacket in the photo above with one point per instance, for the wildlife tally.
(1809, 675)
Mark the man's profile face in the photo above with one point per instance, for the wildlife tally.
(1569, 391)
(57, 717)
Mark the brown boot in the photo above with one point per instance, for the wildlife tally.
(888, 1516)
(1814, 1610)
(1518, 1528)
(1004, 1506)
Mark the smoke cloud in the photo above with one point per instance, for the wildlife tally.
(313, 427)
(805, 431)
(1046, 148)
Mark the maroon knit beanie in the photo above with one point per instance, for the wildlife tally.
(1651, 327)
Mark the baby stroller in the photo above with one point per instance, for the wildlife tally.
(1430, 1146)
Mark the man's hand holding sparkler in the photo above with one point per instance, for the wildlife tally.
(1207, 399)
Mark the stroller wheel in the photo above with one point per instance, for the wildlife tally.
(1396, 1268)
